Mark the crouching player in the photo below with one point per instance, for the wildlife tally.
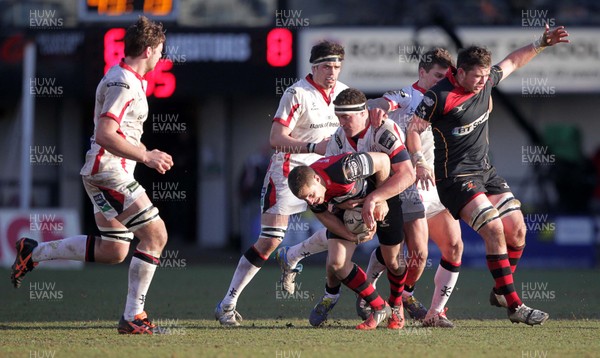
(341, 179)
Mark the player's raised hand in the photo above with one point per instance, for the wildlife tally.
(557, 35)
(377, 116)
(321, 147)
(158, 160)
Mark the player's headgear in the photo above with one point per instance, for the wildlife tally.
(350, 100)
(326, 51)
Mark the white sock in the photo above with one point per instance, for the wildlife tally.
(406, 294)
(445, 281)
(313, 245)
(374, 269)
(70, 248)
(244, 273)
(140, 277)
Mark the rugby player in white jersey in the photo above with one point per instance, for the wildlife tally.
(444, 230)
(122, 208)
(300, 131)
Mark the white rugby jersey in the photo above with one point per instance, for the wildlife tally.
(402, 107)
(309, 113)
(386, 139)
(120, 95)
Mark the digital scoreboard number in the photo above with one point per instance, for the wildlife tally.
(127, 10)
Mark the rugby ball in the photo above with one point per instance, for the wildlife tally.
(354, 221)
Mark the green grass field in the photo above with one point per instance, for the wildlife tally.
(59, 313)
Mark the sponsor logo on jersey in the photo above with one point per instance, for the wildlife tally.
(468, 128)
(428, 101)
(290, 90)
(468, 185)
(101, 202)
(133, 186)
(117, 84)
(388, 139)
(339, 142)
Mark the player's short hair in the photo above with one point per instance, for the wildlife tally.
(473, 56)
(142, 34)
(325, 49)
(350, 96)
(299, 177)
(436, 56)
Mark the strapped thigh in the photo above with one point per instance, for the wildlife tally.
(123, 236)
(141, 218)
(483, 214)
(507, 203)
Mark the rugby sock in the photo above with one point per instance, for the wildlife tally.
(70, 248)
(333, 292)
(514, 254)
(141, 270)
(499, 266)
(445, 281)
(316, 243)
(396, 288)
(357, 282)
(376, 266)
(248, 266)
(408, 291)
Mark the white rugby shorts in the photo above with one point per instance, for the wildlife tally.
(112, 192)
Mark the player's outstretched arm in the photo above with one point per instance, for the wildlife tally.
(520, 57)
(108, 138)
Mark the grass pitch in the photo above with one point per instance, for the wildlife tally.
(60, 313)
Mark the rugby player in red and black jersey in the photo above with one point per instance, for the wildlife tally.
(457, 108)
(340, 178)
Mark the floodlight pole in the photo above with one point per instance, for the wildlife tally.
(27, 119)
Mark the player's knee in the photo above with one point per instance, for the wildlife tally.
(111, 252)
(453, 250)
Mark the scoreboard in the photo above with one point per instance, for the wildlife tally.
(195, 61)
(127, 10)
